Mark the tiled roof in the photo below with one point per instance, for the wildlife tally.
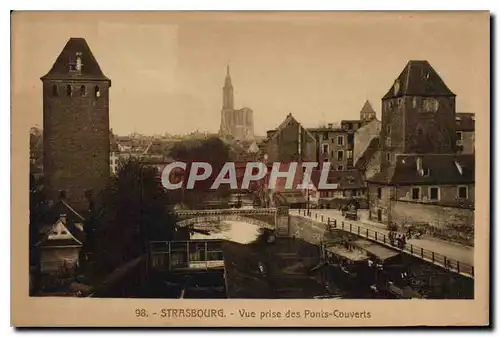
(418, 78)
(290, 197)
(367, 108)
(465, 121)
(345, 180)
(53, 214)
(370, 151)
(90, 68)
(437, 169)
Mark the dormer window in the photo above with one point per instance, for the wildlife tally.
(69, 90)
(55, 91)
(79, 64)
(396, 87)
(97, 92)
(431, 105)
(75, 64)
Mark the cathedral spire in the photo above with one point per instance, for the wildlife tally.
(227, 92)
(228, 77)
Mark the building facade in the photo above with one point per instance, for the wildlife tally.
(421, 175)
(336, 146)
(289, 142)
(236, 124)
(76, 145)
(465, 132)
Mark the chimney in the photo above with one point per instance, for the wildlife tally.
(270, 133)
(330, 125)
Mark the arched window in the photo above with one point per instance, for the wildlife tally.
(97, 92)
(83, 91)
(69, 90)
(54, 90)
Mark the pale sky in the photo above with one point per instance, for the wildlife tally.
(167, 69)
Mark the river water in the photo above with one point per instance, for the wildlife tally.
(257, 269)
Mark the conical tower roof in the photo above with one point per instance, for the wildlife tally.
(90, 70)
(367, 108)
(418, 78)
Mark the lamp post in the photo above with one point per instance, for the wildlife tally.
(265, 184)
(308, 201)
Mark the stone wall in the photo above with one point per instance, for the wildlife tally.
(438, 216)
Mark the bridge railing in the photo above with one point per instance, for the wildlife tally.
(411, 249)
(225, 211)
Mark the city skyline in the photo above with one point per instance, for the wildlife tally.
(179, 67)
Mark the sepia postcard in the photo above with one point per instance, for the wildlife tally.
(312, 169)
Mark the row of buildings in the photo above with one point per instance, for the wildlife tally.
(415, 165)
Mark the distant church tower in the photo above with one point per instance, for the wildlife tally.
(367, 113)
(235, 124)
(75, 126)
(228, 93)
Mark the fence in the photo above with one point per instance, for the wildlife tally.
(424, 254)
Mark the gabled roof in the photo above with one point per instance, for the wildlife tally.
(366, 157)
(53, 215)
(90, 68)
(289, 119)
(60, 235)
(367, 108)
(345, 180)
(418, 78)
(437, 169)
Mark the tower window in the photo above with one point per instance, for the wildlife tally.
(388, 129)
(83, 91)
(97, 92)
(379, 193)
(388, 156)
(69, 90)
(55, 92)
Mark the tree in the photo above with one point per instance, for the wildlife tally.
(211, 150)
(134, 210)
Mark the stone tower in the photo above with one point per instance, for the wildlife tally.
(75, 126)
(418, 114)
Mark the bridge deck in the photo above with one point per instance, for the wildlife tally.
(437, 259)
